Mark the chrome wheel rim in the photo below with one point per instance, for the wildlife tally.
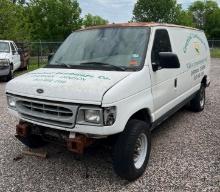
(140, 151)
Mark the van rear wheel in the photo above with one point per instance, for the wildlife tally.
(197, 104)
(132, 150)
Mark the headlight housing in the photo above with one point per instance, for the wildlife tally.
(92, 116)
(96, 116)
(4, 62)
(11, 101)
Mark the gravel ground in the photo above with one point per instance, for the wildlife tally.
(185, 156)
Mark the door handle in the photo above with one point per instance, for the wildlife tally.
(175, 82)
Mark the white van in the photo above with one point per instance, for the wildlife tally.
(117, 81)
(9, 59)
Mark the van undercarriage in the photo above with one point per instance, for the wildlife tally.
(35, 136)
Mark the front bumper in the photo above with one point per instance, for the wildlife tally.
(96, 131)
(4, 71)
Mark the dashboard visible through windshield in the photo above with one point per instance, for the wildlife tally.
(119, 49)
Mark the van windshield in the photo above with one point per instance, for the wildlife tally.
(4, 47)
(103, 49)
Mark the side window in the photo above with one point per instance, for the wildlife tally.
(15, 46)
(12, 48)
(161, 44)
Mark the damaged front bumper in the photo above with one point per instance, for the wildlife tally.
(32, 136)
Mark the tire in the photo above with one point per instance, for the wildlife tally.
(197, 104)
(10, 75)
(126, 161)
(32, 141)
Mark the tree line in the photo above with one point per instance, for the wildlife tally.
(54, 20)
(42, 20)
(204, 15)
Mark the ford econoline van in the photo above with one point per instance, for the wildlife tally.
(117, 81)
(9, 59)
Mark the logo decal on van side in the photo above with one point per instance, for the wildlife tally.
(197, 47)
(189, 39)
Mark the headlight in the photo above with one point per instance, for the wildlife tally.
(96, 116)
(11, 102)
(4, 62)
(92, 116)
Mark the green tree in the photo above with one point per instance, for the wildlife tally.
(201, 10)
(90, 20)
(13, 21)
(156, 11)
(53, 20)
(213, 25)
(185, 18)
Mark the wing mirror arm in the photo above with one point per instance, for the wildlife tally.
(155, 66)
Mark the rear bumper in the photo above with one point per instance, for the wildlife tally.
(4, 71)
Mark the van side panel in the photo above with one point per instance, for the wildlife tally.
(192, 49)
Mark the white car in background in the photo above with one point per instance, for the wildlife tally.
(9, 59)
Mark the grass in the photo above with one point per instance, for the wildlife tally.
(31, 67)
(33, 64)
(215, 52)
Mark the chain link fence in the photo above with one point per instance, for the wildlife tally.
(39, 52)
(214, 44)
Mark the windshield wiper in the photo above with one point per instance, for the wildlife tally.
(65, 65)
(103, 64)
(60, 65)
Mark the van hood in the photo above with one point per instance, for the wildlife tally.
(4, 55)
(70, 85)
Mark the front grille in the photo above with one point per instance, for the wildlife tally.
(47, 112)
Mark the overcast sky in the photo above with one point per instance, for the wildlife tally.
(116, 10)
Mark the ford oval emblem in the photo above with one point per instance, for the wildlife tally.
(40, 91)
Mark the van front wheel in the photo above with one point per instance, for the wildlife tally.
(197, 104)
(10, 75)
(132, 150)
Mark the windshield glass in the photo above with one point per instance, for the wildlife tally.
(104, 49)
(4, 47)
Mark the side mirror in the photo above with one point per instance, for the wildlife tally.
(168, 60)
(50, 56)
(13, 52)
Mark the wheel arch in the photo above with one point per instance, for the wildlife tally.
(12, 65)
(204, 81)
(143, 115)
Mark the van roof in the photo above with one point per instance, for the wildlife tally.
(140, 24)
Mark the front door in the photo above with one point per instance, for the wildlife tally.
(164, 88)
(15, 56)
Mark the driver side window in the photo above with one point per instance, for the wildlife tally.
(161, 44)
